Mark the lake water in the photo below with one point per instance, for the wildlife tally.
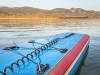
(24, 30)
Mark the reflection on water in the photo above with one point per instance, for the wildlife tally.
(82, 63)
(24, 30)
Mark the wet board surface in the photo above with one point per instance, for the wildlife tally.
(48, 53)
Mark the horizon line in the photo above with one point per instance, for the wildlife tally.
(48, 9)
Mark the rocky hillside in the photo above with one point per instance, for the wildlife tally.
(36, 12)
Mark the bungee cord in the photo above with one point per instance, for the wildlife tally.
(41, 68)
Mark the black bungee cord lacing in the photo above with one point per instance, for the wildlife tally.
(69, 35)
(62, 50)
(3, 72)
(13, 47)
(41, 68)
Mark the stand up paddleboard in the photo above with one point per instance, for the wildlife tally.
(60, 54)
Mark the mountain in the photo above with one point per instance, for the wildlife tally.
(62, 11)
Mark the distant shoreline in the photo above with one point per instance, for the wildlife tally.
(28, 18)
(44, 18)
(57, 13)
(55, 18)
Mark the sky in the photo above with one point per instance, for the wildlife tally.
(51, 4)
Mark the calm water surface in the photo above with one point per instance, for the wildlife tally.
(24, 30)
